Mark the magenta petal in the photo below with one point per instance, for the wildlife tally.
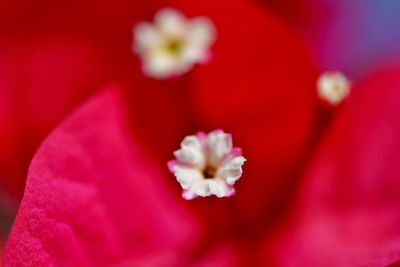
(350, 205)
(93, 198)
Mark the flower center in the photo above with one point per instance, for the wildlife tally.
(209, 172)
(173, 46)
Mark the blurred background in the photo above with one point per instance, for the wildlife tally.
(54, 54)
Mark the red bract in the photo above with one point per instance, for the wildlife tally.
(349, 202)
(100, 200)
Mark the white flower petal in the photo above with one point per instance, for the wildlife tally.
(219, 145)
(159, 65)
(145, 36)
(201, 34)
(191, 152)
(232, 170)
(171, 22)
(210, 187)
(187, 176)
(202, 30)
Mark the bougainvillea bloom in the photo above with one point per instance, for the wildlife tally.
(207, 165)
(333, 87)
(173, 44)
(98, 192)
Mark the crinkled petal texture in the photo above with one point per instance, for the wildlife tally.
(349, 207)
(260, 86)
(94, 198)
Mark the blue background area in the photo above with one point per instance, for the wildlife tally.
(358, 36)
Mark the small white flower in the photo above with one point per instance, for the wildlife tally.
(333, 87)
(207, 164)
(173, 43)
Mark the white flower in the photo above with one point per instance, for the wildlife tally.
(333, 87)
(207, 164)
(173, 43)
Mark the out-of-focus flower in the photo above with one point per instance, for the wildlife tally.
(333, 87)
(173, 44)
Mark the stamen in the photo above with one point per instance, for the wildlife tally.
(173, 46)
(333, 87)
(209, 172)
(207, 164)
